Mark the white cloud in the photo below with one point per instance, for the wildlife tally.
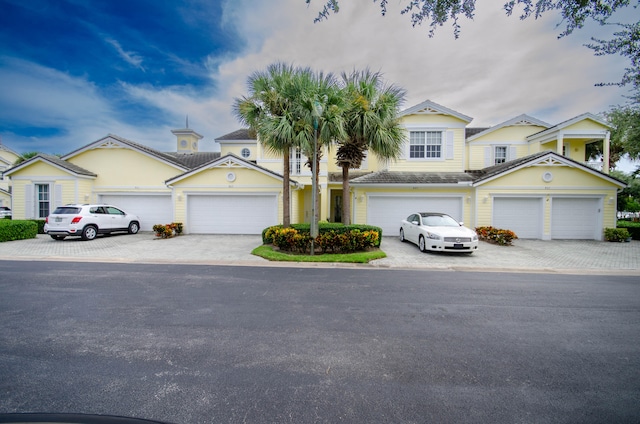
(131, 58)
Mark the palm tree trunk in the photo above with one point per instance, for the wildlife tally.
(286, 192)
(317, 177)
(346, 198)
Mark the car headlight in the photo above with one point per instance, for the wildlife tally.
(433, 236)
(474, 238)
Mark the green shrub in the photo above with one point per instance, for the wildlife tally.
(17, 229)
(496, 235)
(632, 227)
(616, 234)
(324, 227)
(331, 238)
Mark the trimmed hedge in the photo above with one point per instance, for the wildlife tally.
(632, 227)
(14, 229)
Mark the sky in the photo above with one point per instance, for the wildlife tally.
(74, 71)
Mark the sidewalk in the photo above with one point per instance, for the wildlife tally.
(558, 256)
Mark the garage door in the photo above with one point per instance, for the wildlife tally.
(576, 218)
(386, 212)
(231, 214)
(522, 215)
(151, 209)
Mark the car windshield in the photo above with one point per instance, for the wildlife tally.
(66, 210)
(439, 221)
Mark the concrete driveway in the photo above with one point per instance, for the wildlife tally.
(567, 256)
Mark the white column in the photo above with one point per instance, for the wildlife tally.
(605, 153)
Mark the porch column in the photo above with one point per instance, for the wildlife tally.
(324, 203)
(605, 153)
(559, 143)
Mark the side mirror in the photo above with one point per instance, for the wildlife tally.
(461, 223)
(415, 222)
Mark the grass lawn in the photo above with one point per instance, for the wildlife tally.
(267, 252)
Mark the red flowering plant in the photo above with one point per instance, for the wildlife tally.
(496, 235)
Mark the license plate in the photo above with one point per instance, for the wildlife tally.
(58, 219)
(458, 246)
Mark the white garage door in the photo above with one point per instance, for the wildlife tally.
(522, 215)
(231, 214)
(386, 212)
(576, 218)
(151, 209)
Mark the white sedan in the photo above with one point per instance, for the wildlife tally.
(438, 232)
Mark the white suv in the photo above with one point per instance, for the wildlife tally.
(87, 221)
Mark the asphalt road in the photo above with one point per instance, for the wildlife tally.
(224, 344)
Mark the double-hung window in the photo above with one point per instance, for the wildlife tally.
(425, 144)
(295, 161)
(43, 199)
(500, 155)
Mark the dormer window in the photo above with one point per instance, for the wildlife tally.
(500, 155)
(245, 153)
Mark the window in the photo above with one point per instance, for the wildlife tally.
(425, 144)
(44, 197)
(295, 163)
(245, 153)
(500, 155)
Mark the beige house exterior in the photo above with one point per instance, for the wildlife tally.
(7, 158)
(523, 174)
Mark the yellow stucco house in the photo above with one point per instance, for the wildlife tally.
(523, 174)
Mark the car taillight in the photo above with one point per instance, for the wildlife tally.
(76, 219)
(46, 220)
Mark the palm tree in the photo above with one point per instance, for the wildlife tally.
(267, 112)
(320, 108)
(371, 123)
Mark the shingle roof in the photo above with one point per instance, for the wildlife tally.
(241, 134)
(389, 177)
(336, 177)
(194, 160)
(59, 162)
(470, 132)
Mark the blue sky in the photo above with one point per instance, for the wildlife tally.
(73, 71)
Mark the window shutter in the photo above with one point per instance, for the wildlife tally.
(487, 156)
(513, 153)
(449, 152)
(404, 150)
(28, 201)
(57, 197)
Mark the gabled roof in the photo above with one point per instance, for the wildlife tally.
(227, 160)
(54, 161)
(546, 157)
(413, 178)
(112, 139)
(243, 134)
(432, 108)
(519, 120)
(568, 123)
(6, 149)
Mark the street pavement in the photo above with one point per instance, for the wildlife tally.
(557, 256)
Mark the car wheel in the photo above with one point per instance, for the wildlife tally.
(402, 239)
(56, 237)
(134, 227)
(89, 232)
(422, 244)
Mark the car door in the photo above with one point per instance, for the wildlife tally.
(99, 217)
(411, 232)
(117, 218)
